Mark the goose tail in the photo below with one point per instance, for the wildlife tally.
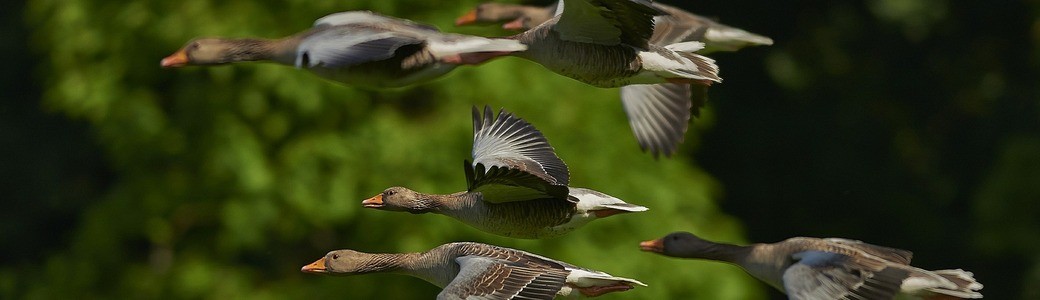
(600, 204)
(581, 277)
(942, 284)
(966, 286)
(733, 39)
(691, 65)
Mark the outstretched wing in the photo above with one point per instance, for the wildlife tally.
(607, 22)
(894, 255)
(349, 45)
(659, 114)
(370, 18)
(349, 38)
(512, 161)
(489, 278)
(819, 275)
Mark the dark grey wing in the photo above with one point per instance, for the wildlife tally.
(490, 278)
(678, 26)
(513, 161)
(818, 275)
(659, 114)
(894, 255)
(668, 31)
(607, 22)
(370, 18)
(721, 37)
(348, 45)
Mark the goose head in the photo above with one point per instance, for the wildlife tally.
(208, 51)
(520, 23)
(341, 262)
(490, 12)
(400, 199)
(680, 244)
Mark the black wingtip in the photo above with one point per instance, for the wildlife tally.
(658, 152)
(470, 173)
(476, 119)
(488, 115)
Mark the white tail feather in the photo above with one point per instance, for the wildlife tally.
(586, 278)
(965, 283)
(590, 200)
(685, 47)
(625, 207)
(736, 37)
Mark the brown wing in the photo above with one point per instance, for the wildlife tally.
(607, 22)
(893, 255)
(482, 277)
(512, 161)
(820, 275)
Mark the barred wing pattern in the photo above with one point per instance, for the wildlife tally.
(819, 275)
(607, 22)
(498, 279)
(512, 161)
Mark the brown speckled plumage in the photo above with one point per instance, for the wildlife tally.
(466, 269)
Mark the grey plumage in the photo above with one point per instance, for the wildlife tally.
(607, 67)
(516, 186)
(357, 48)
(817, 269)
(659, 114)
(468, 270)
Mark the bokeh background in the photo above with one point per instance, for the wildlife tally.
(907, 123)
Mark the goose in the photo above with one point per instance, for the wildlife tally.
(676, 25)
(517, 186)
(606, 43)
(466, 270)
(830, 268)
(359, 48)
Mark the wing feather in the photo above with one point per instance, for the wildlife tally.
(511, 152)
(607, 22)
(347, 46)
(819, 275)
(659, 114)
(490, 278)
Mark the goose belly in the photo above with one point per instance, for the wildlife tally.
(597, 65)
(382, 74)
(532, 219)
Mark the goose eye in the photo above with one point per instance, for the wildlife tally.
(389, 193)
(335, 256)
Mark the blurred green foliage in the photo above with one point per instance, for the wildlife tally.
(229, 179)
(908, 123)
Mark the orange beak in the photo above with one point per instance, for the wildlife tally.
(468, 18)
(656, 246)
(374, 202)
(177, 59)
(517, 24)
(317, 267)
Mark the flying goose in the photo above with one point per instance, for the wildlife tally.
(676, 25)
(832, 268)
(475, 271)
(358, 48)
(517, 186)
(606, 43)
